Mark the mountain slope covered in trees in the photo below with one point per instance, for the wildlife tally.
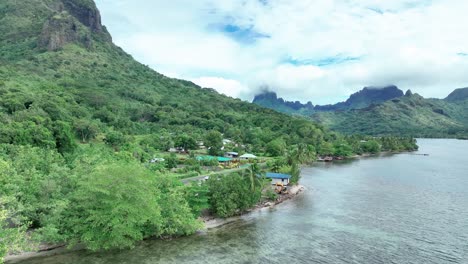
(385, 111)
(60, 73)
(81, 120)
(410, 115)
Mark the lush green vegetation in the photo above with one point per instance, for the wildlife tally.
(80, 124)
(385, 112)
(408, 116)
(231, 195)
(10, 238)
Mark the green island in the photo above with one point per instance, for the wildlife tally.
(94, 146)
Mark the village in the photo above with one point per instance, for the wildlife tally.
(197, 165)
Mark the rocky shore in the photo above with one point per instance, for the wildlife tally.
(209, 221)
(213, 222)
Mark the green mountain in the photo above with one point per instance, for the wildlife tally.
(408, 115)
(384, 111)
(270, 100)
(364, 98)
(457, 95)
(61, 75)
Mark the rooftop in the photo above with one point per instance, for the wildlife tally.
(272, 175)
(220, 159)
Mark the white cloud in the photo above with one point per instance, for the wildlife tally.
(228, 87)
(413, 44)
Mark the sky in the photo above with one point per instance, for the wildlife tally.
(306, 50)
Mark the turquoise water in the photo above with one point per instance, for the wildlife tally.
(402, 208)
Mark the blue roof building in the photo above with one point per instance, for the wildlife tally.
(278, 178)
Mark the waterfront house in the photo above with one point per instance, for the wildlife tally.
(278, 178)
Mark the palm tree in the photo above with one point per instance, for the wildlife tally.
(253, 172)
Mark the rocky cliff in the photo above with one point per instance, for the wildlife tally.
(72, 21)
(270, 100)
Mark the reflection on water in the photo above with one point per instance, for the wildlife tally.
(401, 208)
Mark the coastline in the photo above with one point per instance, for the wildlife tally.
(42, 252)
(209, 222)
(213, 222)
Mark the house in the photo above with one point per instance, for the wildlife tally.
(231, 154)
(247, 156)
(278, 178)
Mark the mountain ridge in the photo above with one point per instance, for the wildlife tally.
(387, 111)
(459, 94)
(361, 99)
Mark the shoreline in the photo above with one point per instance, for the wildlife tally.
(44, 252)
(209, 222)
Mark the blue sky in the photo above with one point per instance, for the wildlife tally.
(307, 50)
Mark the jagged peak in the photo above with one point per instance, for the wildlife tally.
(387, 87)
(272, 97)
(86, 12)
(265, 94)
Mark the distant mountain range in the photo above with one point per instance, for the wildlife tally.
(384, 111)
(364, 98)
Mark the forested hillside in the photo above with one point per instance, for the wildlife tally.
(384, 111)
(80, 120)
(62, 78)
(410, 115)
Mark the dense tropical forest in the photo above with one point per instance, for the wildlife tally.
(86, 131)
(380, 111)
